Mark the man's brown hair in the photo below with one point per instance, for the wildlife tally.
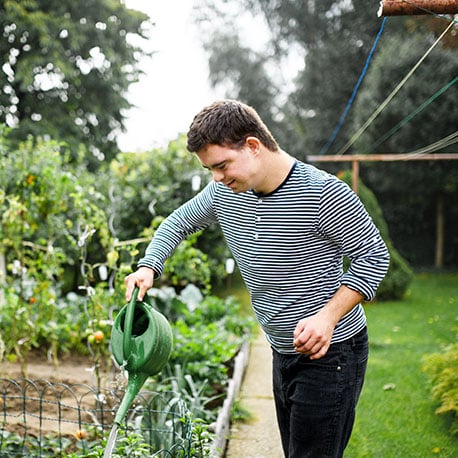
(228, 123)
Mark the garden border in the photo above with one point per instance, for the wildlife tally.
(223, 421)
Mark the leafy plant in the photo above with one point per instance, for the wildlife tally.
(128, 444)
(201, 440)
(442, 369)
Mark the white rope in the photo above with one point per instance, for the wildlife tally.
(355, 137)
(447, 141)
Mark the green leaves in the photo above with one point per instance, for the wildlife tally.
(442, 369)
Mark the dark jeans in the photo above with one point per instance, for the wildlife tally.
(316, 399)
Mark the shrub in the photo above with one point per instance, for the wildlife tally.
(400, 275)
(442, 368)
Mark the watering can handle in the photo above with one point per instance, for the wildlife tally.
(128, 324)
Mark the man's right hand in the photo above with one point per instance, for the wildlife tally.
(143, 278)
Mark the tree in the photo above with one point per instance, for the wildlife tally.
(329, 39)
(66, 69)
(428, 99)
(429, 96)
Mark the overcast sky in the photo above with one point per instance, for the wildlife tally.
(175, 85)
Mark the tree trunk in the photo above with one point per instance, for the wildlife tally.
(439, 262)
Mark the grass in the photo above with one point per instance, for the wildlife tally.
(395, 416)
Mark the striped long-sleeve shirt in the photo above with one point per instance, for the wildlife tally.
(289, 246)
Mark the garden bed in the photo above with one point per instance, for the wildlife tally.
(63, 401)
(50, 399)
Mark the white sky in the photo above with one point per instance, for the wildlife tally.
(175, 85)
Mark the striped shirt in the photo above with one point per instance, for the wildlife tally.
(289, 246)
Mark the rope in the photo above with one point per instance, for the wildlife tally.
(333, 136)
(413, 114)
(390, 97)
(447, 141)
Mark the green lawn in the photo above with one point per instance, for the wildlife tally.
(395, 415)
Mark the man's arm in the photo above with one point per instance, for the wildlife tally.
(344, 220)
(313, 335)
(192, 216)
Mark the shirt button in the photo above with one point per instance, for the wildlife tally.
(258, 218)
(256, 236)
(260, 200)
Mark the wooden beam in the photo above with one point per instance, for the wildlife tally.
(384, 157)
(414, 7)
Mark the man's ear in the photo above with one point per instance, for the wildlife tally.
(254, 144)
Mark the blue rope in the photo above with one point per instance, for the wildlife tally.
(333, 136)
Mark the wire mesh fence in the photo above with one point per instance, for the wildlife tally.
(39, 418)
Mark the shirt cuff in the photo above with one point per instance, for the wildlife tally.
(360, 286)
(152, 263)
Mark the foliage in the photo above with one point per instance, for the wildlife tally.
(154, 183)
(430, 115)
(325, 43)
(47, 208)
(399, 275)
(132, 444)
(66, 70)
(13, 445)
(434, 122)
(240, 413)
(442, 369)
(412, 208)
(52, 216)
(187, 265)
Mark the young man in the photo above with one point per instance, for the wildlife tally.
(288, 226)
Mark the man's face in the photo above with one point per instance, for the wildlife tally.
(235, 168)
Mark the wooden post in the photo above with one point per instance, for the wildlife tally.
(414, 7)
(355, 176)
(439, 259)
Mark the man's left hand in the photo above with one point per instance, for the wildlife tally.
(312, 336)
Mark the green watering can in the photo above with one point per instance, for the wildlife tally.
(141, 342)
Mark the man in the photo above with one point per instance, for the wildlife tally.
(288, 226)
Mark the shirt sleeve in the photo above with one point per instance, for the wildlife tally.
(194, 215)
(344, 220)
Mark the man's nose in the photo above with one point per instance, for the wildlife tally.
(218, 175)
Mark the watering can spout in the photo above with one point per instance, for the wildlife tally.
(134, 385)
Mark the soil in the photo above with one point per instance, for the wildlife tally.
(70, 370)
(53, 398)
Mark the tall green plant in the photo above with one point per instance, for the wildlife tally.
(46, 206)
